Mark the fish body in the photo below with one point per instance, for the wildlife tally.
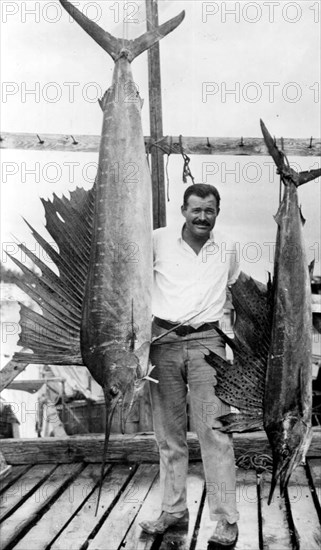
(116, 312)
(116, 316)
(270, 381)
(287, 401)
(97, 310)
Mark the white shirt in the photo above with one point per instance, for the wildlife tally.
(186, 284)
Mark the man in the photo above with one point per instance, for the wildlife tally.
(191, 272)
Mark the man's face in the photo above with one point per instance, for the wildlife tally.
(200, 215)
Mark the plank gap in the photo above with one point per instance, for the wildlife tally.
(82, 503)
(102, 520)
(275, 526)
(28, 494)
(198, 519)
(259, 509)
(293, 532)
(315, 490)
(76, 534)
(45, 509)
(13, 476)
(33, 512)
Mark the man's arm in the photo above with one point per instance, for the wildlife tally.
(234, 268)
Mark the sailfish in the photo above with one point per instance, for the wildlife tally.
(97, 311)
(270, 381)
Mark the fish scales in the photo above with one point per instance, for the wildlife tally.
(116, 314)
(288, 385)
(118, 292)
(104, 257)
(273, 339)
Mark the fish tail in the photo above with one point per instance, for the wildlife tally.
(148, 39)
(115, 46)
(305, 177)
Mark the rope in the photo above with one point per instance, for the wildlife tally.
(167, 177)
(186, 169)
(155, 144)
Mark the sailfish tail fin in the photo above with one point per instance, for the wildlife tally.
(115, 46)
(148, 39)
(282, 163)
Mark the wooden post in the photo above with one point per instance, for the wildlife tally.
(156, 120)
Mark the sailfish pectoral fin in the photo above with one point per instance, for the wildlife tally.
(114, 46)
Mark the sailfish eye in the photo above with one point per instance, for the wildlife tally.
(114, 391)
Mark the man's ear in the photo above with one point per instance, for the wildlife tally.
(183, 210)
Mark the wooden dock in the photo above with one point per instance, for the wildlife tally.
(49, 503)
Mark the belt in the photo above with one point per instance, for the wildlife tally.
(184, 330)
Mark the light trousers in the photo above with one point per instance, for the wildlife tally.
(180, 365)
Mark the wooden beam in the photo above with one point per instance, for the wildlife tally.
(122, 448)
(248, 146)
(156, 120)
(5, 468)
(9, 373)
(238, 146)
(31, 385)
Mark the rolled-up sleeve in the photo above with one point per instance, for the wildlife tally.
(234, 269)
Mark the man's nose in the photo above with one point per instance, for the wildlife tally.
(202, 216)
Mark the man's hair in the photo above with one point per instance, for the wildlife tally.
(201, 190)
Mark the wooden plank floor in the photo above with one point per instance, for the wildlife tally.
(52, 507)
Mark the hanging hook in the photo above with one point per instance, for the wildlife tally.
(208, 143)
(74, 142)
(40, 140)
(310, 146)
(241, 144)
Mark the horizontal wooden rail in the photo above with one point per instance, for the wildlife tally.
(306, 147)
(122, 448)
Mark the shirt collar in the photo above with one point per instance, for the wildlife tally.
(211, 238)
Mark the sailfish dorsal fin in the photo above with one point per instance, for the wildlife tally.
(53, 336)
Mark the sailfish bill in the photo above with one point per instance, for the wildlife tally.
(270, 381)
(97, 311)
(116, 317)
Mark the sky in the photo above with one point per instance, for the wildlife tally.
(226, 66)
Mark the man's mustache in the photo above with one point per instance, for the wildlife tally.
(199, 222)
